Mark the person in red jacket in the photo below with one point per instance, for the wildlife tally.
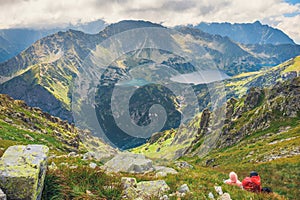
(252, 183)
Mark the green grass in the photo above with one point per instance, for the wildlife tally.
(294, 66)
(81, 183)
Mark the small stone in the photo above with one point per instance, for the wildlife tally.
(52, 166)
(93, 165)
(165, 197)
(128, 182)
(219, 190)
(183, 164)
(224, 196)
(211, 196)
(64, 164)
(73, 167)
(8, 120)
(88, 156)
(72, 154)
(28, 137)
(184, 188)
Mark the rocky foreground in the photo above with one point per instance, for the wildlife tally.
(23, 169)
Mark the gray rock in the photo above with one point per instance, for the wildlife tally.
(165, 197)
(129, 162)
(97, 155)
(72, 154)
(211, 195)
(144, 190)
(224, 196)
(52, 166)
(73, 167)
(167, 170)
(219, 190)
(184, 188)
(24, 167)
(88, 156)
(160, 174)
(183, 164)
(128, 182)
(153, 188)
(2, 195)
(92, 165)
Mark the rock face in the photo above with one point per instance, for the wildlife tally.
(129, 162)
(2, 195)
(22, 171)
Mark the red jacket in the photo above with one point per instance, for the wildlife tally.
(252, 184)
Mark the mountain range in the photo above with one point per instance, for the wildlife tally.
(247, 33)
(43, 74)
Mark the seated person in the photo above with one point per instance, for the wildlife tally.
(233, 180)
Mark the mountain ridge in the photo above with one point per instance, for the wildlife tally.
(247, 33)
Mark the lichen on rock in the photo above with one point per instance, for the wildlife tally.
(22, 171)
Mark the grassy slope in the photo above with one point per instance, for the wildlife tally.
(20, 124)
(239, 86)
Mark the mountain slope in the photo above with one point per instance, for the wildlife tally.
(20, 124)
(257, 110)
(248, 33)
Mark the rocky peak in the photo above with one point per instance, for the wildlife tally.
(125, 25)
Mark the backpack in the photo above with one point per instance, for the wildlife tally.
(266, 190)
(252, 184)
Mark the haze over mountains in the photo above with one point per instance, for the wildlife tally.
(13, 41)
(44, 73)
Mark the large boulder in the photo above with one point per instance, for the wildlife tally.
(162, 171)
(143, 190)
(153, 188)
(22, 171)
(129, 162)
(167, 170)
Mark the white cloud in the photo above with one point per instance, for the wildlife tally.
(45, 13)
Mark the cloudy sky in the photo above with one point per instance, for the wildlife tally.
(282, 14)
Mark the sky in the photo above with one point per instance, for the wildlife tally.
(281, 14)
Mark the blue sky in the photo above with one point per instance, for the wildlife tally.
(282, 14)
(293, 1)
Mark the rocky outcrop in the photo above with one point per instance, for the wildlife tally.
(129, 162)
(2, 195)
(22, 171)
